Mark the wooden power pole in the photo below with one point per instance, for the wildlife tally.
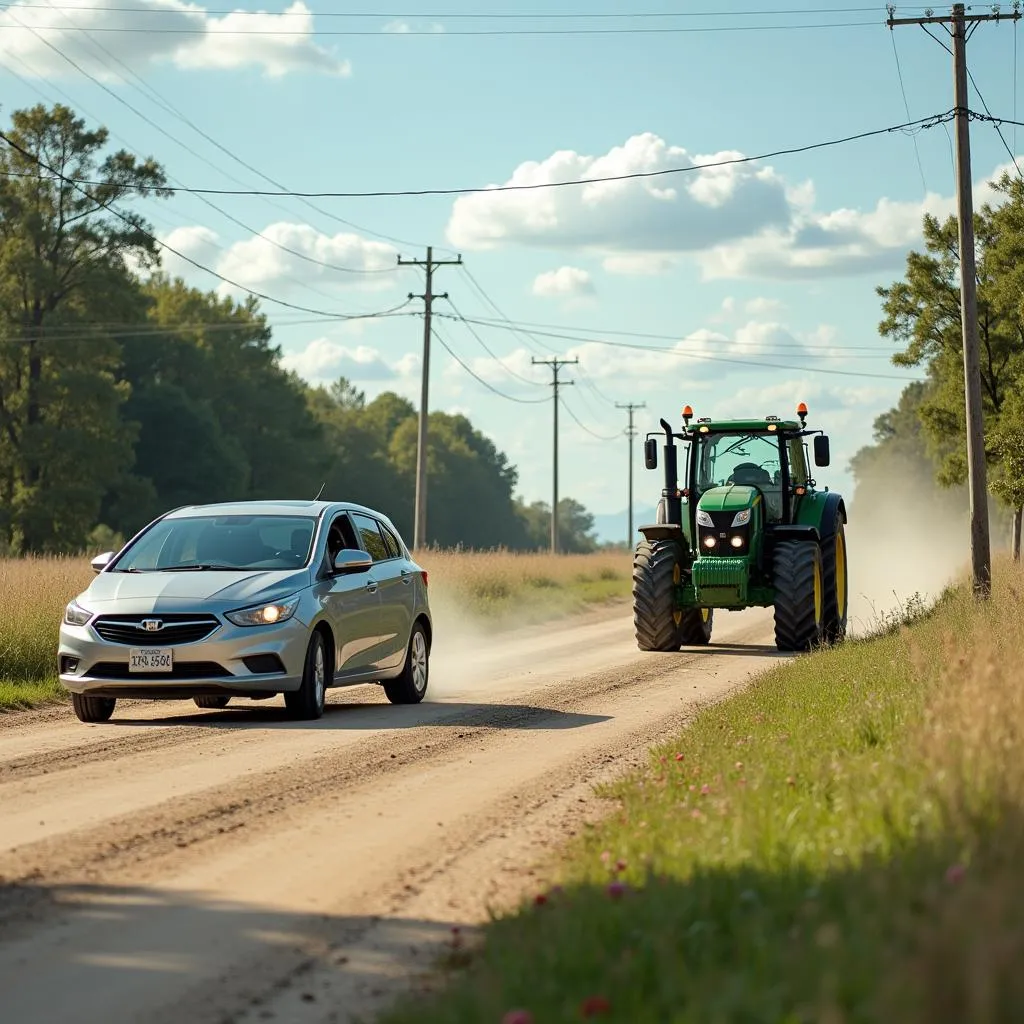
(556, 365)
(630, 408)
(428, 296)
(960, 26)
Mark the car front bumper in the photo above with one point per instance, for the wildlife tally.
(216, 665)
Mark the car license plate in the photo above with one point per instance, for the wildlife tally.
(151, 659)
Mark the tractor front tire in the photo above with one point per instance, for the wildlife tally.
(799, 595)
(836, 583)
(657, 570)
(695, 627)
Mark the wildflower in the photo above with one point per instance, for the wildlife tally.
(955, 873)
(620, 865)
(540, 899)
(517, 1017)
(705, 789)
(605, 857)
(593, 1006)
(680, 757)
(616, 889)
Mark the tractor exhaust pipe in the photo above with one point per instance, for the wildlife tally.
(670, 492)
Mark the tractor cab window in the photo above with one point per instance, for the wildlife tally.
(750, 459)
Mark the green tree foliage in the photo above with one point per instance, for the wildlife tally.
(122, 397)
(64, 281)
(922, 313)
(575, 526)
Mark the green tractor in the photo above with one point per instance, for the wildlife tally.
(748, 529)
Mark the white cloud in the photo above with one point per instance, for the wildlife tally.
(301, 256)
(564, 283)
(324, 360)
(762, 306)
(739, 220)
(683, 213)
(31, 36)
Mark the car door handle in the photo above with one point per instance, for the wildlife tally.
(371, 586)
(406, 577)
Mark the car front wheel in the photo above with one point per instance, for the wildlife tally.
(411, 686)
(307, 702)
(90, 708)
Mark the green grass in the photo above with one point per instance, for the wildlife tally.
(496, 590)
(789, 856)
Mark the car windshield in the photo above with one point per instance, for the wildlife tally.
(256, 542)
(751, 459)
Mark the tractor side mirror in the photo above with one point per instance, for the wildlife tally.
(821, 452)
(651, 453)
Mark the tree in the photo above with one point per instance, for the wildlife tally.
(923, 313)
(575, 526)
(66, 261)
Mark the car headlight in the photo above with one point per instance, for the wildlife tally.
(264, 614)
(76, 615)
(742, 517)
(704, 518)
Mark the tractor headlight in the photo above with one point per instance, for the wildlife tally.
(709, 541)
(704, 518)
(736, 540)
(742, 517)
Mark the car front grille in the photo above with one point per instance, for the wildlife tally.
(174, 629)
(182, 670)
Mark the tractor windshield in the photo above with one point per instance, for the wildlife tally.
(750, 459)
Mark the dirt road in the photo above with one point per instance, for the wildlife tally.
(175, 865)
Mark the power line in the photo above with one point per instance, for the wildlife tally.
(134, 223)
(999, 132)
(483, 344)
(921, 124)
(583, 426)
(478, 378)
(906, 105)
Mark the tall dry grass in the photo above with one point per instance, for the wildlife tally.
(472, 590)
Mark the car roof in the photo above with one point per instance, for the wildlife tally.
(268, 507)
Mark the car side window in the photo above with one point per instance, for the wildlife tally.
(394, 548)
(370, 534)
(340, 537)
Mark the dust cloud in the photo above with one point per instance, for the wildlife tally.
(457, 660)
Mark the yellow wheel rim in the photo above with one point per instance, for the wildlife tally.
(817, 592)
(677, 576)
(840, 574)
(705, 614)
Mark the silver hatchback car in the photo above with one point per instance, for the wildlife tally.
(250, 599)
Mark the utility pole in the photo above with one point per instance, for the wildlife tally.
(420, 522)
(630, 407)
(556, 365)
(960, 26)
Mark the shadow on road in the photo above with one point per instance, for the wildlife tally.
(371, 716)
(119, 954)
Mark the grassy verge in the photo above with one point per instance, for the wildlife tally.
(492, 591)
(839, 843)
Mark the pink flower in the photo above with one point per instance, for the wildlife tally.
(620, 865)
(705, 789)
(955, 873)
(517, 1017)
(680, 757)
(616, 890)
(605, 857)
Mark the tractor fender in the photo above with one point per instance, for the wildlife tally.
(664, 531)
(819, 510)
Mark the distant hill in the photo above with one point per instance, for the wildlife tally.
(611, 526)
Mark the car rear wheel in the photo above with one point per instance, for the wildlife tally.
(307, 702)
(90, 708)
(411, 686)
(212, 702)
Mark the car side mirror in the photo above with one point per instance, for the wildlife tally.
(651, 453)
(348, 560)
(821, 452)
(100, 562)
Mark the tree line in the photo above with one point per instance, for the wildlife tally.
(124, 393)
(921, 313)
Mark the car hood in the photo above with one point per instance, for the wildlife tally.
(167, 591)
(730, 498)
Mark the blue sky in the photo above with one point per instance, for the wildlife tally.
(772, 263)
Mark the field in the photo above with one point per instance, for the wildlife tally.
(841, 842)
(484, 591)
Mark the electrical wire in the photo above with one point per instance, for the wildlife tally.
(920, 124)
(589, 332)
(582, 425)
(483, 344)
(528, 340)
(906, 105)
(478, 378)
(678, 353)
(135, 225)
(995, 124)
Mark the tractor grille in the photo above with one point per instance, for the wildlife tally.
(174, 629)
(720, 580)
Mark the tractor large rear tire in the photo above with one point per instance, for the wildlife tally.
(695, 629)
(657, 569)
(836, 583)
(799, 593)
